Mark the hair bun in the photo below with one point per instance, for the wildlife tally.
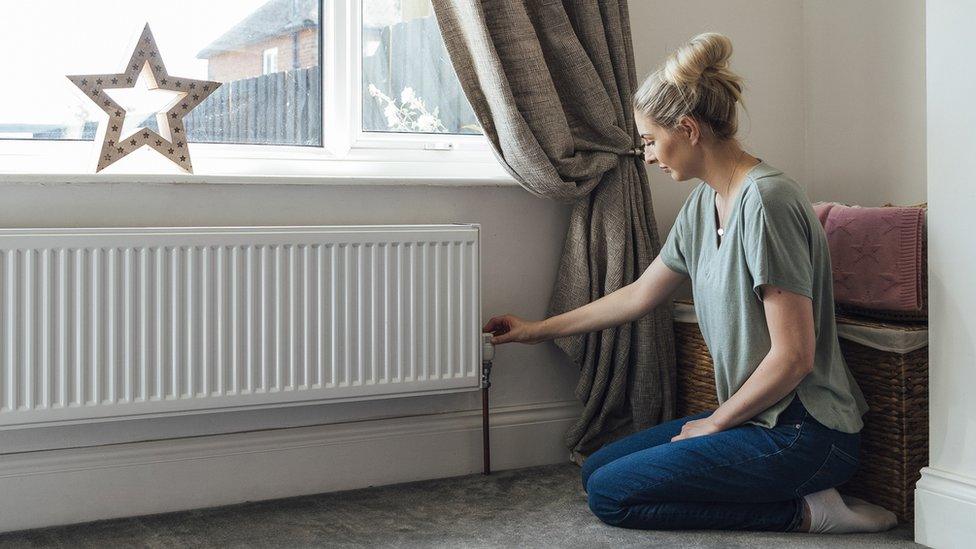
(708, 52)
(695, 80)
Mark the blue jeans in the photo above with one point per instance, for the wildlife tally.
(745, 478)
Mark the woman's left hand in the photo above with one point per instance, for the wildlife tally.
(697, 428)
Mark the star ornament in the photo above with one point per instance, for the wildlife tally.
(171, 140)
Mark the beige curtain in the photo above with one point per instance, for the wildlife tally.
(551, 82)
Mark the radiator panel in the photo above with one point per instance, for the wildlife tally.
(123, 322)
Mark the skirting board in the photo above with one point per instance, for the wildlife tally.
(60, 487)
(945, 505)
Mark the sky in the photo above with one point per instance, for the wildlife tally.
(41, 41)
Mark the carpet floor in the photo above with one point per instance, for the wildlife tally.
(533, 507)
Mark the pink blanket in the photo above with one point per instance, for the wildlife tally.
(877, 256)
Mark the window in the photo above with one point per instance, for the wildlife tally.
(362, 81)
(270, 61)
(408, 81)
(232, 42)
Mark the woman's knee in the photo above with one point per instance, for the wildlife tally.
(589, 467)
(604, 497)
(594, 462)
(585, 478)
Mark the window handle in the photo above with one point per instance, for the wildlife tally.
(441, 146)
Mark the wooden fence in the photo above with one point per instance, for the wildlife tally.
(285, 108)
(412, 54)
(282, 108)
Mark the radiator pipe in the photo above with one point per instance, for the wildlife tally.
(487, 354)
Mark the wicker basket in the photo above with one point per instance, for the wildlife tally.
(894, 441)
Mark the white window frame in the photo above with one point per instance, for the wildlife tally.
(269, 61)
(351, 80)
(347, 154)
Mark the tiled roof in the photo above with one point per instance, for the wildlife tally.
(275, 18)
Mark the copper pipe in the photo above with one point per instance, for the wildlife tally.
(487, 354)
(485, 430)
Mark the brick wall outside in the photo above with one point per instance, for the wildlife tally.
(249, 60)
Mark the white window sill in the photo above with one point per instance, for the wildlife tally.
(259, 166)
(393, 173)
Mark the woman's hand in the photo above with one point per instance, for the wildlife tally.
(510, 328)
(697, 428)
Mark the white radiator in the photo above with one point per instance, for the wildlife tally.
(107, 323)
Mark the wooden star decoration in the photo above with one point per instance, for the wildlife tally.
(171, 140)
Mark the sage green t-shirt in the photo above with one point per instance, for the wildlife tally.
(772, 236)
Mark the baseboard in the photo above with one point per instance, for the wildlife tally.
(69, 486)
(945, 506)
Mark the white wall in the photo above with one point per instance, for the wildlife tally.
(946, 495)
(864, 111)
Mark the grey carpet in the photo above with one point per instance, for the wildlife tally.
(534, 507)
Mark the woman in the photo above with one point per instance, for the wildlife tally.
(787, 428)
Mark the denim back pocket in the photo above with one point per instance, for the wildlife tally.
(835, 470)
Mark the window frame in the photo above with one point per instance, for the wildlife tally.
(269, 54)
(347, 151)
(346, 77)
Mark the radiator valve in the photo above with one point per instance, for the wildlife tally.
(487, 354)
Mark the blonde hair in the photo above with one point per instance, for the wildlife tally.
(695, 81)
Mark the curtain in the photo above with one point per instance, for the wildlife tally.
(551, 83)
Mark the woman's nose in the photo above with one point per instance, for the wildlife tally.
(649, 158)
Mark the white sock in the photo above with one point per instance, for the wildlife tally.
(829, 514)
(851, 501)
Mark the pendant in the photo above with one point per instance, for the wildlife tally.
(721, 231)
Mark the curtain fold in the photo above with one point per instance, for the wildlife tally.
(551, 83)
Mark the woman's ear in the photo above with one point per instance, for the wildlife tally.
(689, 127)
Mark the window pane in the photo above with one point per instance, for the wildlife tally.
(409, 84)
(265, 52)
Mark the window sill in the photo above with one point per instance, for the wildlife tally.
(262, 166)
(390, 174)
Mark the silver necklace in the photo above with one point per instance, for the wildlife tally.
(735, 166)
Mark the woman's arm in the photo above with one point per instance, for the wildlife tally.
(627, 304)
(789, 317)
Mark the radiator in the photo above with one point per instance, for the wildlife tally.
(112, 323)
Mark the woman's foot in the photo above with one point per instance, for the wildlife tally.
(826, 512)
(852, 501)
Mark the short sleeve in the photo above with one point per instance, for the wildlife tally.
(671, 252)
(776, 242)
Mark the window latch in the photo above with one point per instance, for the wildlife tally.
(440, 146)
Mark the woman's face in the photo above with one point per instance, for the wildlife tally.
(670, 149)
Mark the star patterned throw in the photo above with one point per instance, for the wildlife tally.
(171, 140)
